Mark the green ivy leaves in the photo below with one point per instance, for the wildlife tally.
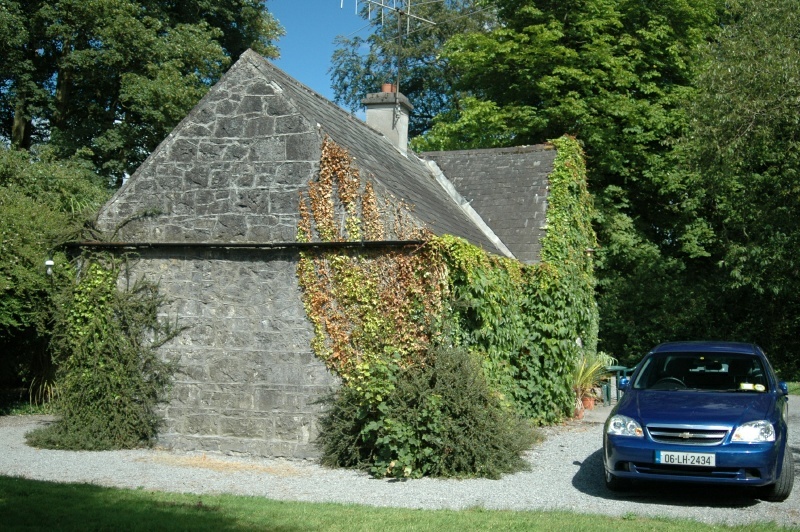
(390, 323)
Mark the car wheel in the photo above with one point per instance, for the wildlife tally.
(783, 487)
(615, 483)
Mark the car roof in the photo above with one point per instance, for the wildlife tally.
(707, 347)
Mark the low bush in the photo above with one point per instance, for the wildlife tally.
(439, 420)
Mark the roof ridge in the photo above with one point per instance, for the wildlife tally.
(260, 62)
(528, 148)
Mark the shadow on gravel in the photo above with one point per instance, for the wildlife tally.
(589, 480)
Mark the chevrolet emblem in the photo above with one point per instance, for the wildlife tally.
(685, 435)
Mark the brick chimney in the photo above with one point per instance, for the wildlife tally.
(388, 112)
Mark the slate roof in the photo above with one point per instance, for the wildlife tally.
(507, 187)
(232, 169)
(407, 178)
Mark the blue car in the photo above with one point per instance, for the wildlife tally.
(702, 412)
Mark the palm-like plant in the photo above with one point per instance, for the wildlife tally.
(589, 371)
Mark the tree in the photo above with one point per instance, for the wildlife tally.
(612, 73)
(425, 75)
(41, 201)
(602, 70)
(108, 79)
(741, 154)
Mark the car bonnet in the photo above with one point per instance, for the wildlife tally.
(696, 408)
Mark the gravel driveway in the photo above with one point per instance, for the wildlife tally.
(566, 474)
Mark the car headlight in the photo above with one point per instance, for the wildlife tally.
(754, 431)
(624, 426)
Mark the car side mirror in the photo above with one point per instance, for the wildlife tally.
(784, 387)
(623, 384)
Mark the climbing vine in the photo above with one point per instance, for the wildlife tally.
(381, 317)
(530, 323)
(370, 309)
(570, 241)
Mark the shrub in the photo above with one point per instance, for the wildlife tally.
(43, 203)
(110, 378)
(439, 420)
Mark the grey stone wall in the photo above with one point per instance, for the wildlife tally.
(247, 380)
(231, 172)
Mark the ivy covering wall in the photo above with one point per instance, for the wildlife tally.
(382, 315)
(369, 309)
(532, 322)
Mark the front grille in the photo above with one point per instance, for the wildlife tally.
(697, 472)
(686, 435)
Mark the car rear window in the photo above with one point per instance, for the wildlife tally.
(703, 371)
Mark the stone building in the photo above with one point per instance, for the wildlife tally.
(213, 213)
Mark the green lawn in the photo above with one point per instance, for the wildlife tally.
(34, 505)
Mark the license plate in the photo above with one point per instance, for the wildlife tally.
(686, 459)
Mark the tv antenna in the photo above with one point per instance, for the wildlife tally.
(402, 9)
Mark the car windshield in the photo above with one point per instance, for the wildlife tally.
(702, 371)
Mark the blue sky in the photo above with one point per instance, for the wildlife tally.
(311, 26)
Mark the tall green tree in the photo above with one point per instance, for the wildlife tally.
(613, 73)
(108, 79)
(410, 46)
(741, 155)
(607, 71)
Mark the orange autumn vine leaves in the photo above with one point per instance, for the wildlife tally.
(374, 311)
(371, 309)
